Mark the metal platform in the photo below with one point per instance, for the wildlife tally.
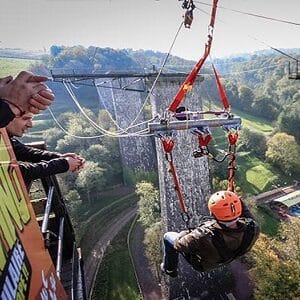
(188, 124)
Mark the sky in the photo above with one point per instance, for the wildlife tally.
(148, 24)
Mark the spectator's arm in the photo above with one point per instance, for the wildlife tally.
(30, 154)
(32, 171)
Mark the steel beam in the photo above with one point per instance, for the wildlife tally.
(188, 124)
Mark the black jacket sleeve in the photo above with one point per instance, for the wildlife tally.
(30, 154)
(6, 115)
(32, 171)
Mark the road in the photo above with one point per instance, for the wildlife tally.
(148, 283)
(93, 261)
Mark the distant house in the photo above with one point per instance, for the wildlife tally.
(289, 202)
(283, 201)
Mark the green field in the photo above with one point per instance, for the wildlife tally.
(254, 123)
(12, 66)
(254, 175)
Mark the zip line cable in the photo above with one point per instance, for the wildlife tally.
(105, 107)
(252, 14)
(73, 135)
(109, 133)
(250, 36)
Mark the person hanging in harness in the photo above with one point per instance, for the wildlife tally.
(229, 233)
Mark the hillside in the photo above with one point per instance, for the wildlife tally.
(256, 84)
(12, 66)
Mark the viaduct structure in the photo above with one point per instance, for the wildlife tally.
(145, 154)
(138, 157)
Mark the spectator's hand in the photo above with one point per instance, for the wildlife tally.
(75, 163)
(76, 157)
(4, 81)
(82, 163)
(27, 92)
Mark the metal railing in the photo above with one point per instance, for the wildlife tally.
(59, 237)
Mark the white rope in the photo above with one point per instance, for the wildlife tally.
(95, 125)
(68, 133)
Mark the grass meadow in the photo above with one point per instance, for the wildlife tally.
(12, 66)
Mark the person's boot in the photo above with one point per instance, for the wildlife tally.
(171, 273)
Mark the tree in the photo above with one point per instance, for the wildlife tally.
(108, 160)
(55, 50)
(265, 107)
(219, 185)
(276, 264)
(73, 204)
(246, 96)
(289, 120)
(51, 136)
(76, 125)
(288, 241)
(284, 152)
(152, 242)
(148, 204)
(91, 180)
(252, 141)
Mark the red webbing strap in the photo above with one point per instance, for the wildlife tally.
(188, 83)
(204, 139)
(232, 138)
(168, 145)
(221, 90)
(177, 187)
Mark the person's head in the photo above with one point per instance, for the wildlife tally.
(19, 125)
(225, 206)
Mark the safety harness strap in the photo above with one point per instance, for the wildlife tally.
(221, 90)
(168, 145)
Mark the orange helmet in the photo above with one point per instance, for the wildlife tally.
(225, 205)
